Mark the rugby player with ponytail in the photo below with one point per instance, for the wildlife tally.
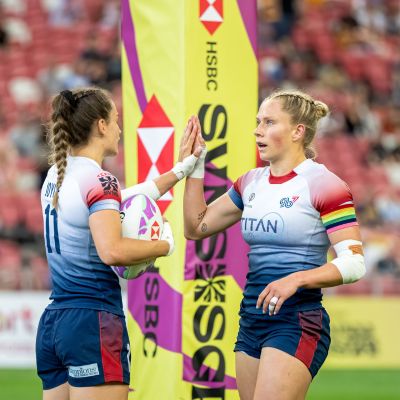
(82, 345)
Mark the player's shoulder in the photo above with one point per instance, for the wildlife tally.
(88, 172)
(252, 175)
(318, 175)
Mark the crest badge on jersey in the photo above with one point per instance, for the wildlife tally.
(287, 202)
(211, 14)
(155, 147)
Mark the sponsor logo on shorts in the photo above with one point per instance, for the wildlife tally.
(84, 371)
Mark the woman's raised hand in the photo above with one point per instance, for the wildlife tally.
(189, 137)
(188, 155)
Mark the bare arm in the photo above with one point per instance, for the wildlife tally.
(202, 220)
(113, 249)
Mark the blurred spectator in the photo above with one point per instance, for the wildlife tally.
(25, 90)
(14, 6)
(370, 14)
(347, 33)
(3, 32)
(358, 118)
(390, 263)
(52, 78)
(65, 12)
(114, 63)
(396, 86)
(95, 60)
(287, 16)
(392, 15)
(76, 77)
(392, 166)
(367, 213)
(17, 31)
(110, 14)
(26, 134)
(8, 165)
(388, 206)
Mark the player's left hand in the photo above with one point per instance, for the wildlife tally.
(276, 293)
(189, 137)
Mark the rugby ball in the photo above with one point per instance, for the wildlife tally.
(141, 219)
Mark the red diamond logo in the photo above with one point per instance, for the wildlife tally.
(155, 231)
(155, 147)
(211, 14)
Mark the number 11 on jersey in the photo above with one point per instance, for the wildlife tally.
(52, 213)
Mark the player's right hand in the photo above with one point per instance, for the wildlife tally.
(189, 138)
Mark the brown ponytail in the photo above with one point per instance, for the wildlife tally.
(72, 119)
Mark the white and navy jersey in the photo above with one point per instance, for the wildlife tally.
(286, 221)
(79, 278)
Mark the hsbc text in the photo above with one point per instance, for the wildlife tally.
(211, 69)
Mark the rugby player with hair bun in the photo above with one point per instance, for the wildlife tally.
(291, 212)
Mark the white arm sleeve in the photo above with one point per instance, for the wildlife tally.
(149, 188)
(349, 261)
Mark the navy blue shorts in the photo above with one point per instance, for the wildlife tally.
(304, 335)
(82, 347)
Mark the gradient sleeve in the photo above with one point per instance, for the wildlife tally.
(332, 198)
(235, 193)
(102, 192)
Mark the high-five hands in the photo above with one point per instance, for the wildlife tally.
(191, 150)
(199, 144)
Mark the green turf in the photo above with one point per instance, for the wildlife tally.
(20, 384)
(328, 385)
(356, 385)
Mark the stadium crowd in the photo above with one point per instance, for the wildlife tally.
(45, 46)
(345, 52)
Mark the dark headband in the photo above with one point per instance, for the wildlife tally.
(69, 96)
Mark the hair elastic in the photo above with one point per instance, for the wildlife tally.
(67, 94)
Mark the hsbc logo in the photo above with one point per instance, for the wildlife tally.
(155, 231)
(155, 152)
(211, 14)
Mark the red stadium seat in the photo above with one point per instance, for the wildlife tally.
(10, 213)
(10, 265)
(360, 288)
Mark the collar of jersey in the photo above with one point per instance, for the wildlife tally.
(284, 178)
(87, 159)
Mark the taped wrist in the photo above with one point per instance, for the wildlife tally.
(185, 167)
(198, 171)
